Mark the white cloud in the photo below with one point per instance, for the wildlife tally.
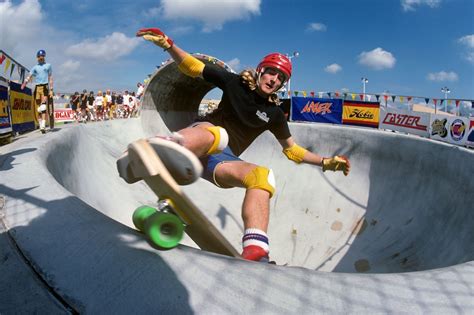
(409, 5)
(333, 68)
(212, 13)
(106, 48)
(377, 59)
(234, 64)
(442, 76)
(27, 17)
(467, 40)
(319, 27)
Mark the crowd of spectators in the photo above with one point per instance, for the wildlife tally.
(88, 106)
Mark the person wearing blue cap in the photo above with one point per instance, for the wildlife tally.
(42, 72)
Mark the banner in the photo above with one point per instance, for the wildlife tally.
(361, 113)
(323, 110)
(402, 120)
(63, 115)
(23, 110)
(5, 124)
(470, 137)
(450, 129)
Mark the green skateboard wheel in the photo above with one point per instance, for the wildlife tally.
(140, 215)
(164, 229)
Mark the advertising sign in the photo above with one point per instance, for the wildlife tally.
(361, 113)
(402, 120)
(63, 115)
(450, 129)
(470, 137)
(312, 109)
(5, 124)
(23, 110)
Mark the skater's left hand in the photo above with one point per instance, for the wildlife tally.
(337, 163)
(156, 36)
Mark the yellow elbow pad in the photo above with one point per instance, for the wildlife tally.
(295, 153)
(191, 66)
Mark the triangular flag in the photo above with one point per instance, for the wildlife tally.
(304, 94)
(296, 93)
(345, 95)
(401, 98)
(409, 98)
(472, 104)
(435, 101)
(385, 97)
(427, 100)
(7, 65)
(361, 96)
(289, 93)
(449, 102)
(2, 57)
(337, 94)
(353, 96)
(457, 103)
(369, 97)
(320, 94)
(329, 94)
(22, 75)
(393, 98)
(312, 93)
(377, 97)
(11, 70)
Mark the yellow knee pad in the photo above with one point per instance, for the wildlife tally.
(260, 178)
(221, 139)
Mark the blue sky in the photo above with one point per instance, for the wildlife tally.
(406, 47)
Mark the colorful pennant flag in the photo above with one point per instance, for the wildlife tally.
(353, 96)
(361, 96)
(11, 70)
(377, 97)
(457, 103)
(7, 65)
(2, 58)
(312, 93)
(427, 100)
(329, 94)
(393, 98)
(401, 98)
(409, 98)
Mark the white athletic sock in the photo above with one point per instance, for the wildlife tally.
(255, 237)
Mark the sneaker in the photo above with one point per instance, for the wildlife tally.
(43, 131)
(255, 253)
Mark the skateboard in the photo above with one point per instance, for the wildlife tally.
(176, 213)
(51, 112)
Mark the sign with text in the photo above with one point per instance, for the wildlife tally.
(470, 137)
(23, 109)
(402, 120)
(361, 113)
(5, 124)
(450, 129)
(63, 115)
(312, 109)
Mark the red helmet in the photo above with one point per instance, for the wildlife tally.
(277, 61)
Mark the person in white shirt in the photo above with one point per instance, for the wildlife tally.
(99, 104)
(126, 104)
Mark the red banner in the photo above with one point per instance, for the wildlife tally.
(63, 115)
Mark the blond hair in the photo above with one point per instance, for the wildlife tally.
(249, 78)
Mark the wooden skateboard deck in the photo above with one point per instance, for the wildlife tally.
(145, 164)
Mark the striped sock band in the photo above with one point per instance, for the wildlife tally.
(255, 237)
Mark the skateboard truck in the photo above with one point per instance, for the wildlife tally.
(167, 206)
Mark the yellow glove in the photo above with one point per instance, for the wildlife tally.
(156, 36)
(337, 163)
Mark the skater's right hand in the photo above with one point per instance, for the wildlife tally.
(156, 36)
(337, 163)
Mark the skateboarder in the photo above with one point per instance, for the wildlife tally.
(43, 74)
(249, 106)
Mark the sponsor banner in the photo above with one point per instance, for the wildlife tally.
(361, 113)
(323, 110)
(5, 124)
(450, 129)
(470, 137)
(402, 120)
(63, 115)
(23, 110)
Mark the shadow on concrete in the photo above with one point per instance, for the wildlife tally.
(63, 242)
